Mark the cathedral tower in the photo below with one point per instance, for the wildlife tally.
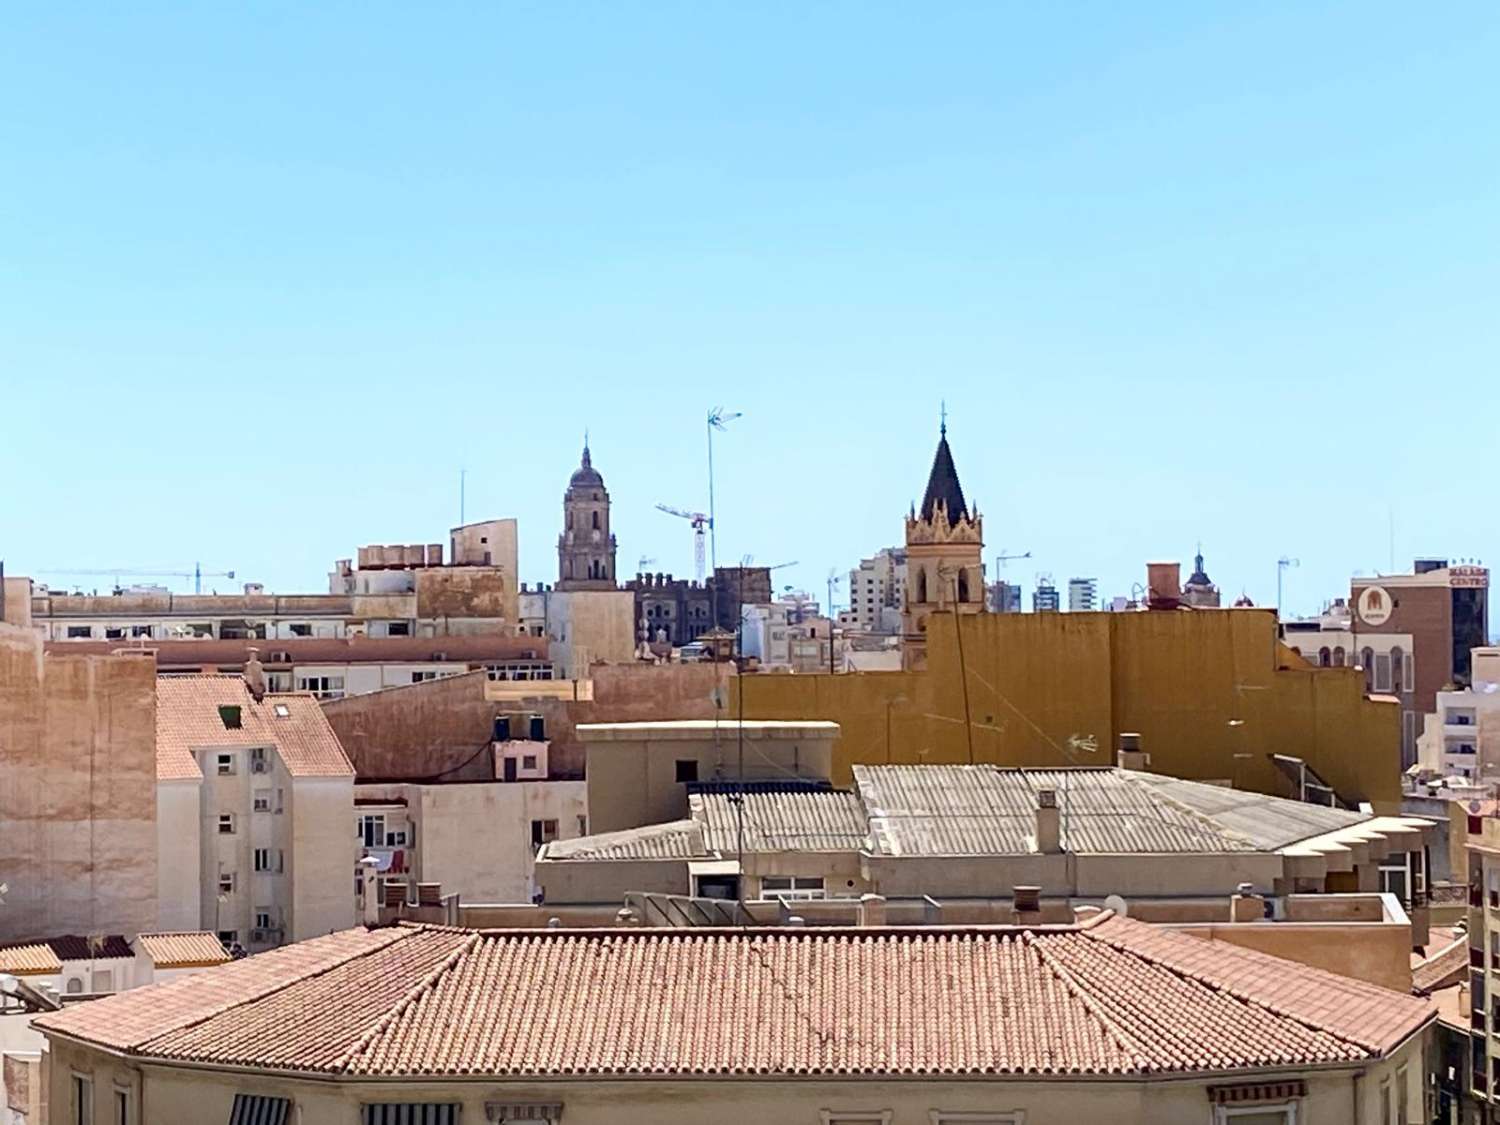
(586, 548)
(944, 556)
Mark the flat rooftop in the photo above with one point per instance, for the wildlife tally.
(695, 730)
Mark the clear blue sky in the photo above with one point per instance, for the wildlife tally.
(269, 275)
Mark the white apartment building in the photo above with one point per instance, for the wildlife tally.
(476, 839)
(876, 587)
(1083, 595)
(254, 800)
(1462, 737)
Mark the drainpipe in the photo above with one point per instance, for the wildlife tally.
(1358, 1083)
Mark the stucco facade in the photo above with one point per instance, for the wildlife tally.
(77, 791)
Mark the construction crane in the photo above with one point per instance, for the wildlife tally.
(700, 523)
(197, 574)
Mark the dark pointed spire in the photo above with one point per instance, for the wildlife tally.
(942, 482)
(1199, 576)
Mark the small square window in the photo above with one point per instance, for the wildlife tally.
(228, 938)
(226, 824)
(226, 765)
(226, 882)
(528, 761)
(687, 770)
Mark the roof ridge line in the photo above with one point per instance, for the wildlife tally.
(1200, 818)
(343, 1062)
(1244, 997)
(260, 994)
(1122, 1038)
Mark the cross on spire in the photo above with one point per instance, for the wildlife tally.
(943, 426)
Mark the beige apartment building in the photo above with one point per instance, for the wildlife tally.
(77, 787)
(255, 804)
(1103, 1019)
(1461, 738)
(961, 839)
(404, 590)
(639, 773)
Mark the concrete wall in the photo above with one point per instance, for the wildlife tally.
(1042, 686)
(632, 780)
(590, 627)
(1379, 954)
(475, 839)
(175, 1094)
(320, 862)
(178, 842)
(77, 791)
(480, 592)
(417, 731)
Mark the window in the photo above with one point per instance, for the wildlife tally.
(226, 764)
(1325, 657)
(83, 1096)
(104, 980)
(267, 861)
(75, 985)
(122, 1107)
(528, 761)
(80, 632)
(259, 1109)
(263, 918)
(409, 1113)
(229, 937)
(395, 838)
(371, 830)
(230, 715)
(226, 882)
(140, 630)
(503, 1113)
(542, 832)
(791, 886)
(583, 826)
(1382, 672)
(687, 770)
(398, 629)
(262, 800)
(114, 633)
(324, 687)
(300, 630)
(1396, 670)
(226, 824)
(423, 677)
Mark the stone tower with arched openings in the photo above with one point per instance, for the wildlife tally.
(586, 547)
(944, 556)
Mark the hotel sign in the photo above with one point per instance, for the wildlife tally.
(1374, 605)
(1471, 577)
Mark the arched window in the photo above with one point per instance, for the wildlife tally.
(1396, 678)
(921, 586)
(567, 568)
(1338, 656)
(596, 521)
(1367, 661)
(963, 584)
(570, 519)
(1325, 657)
(75, 986)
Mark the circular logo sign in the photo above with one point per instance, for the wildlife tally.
(1374, 605)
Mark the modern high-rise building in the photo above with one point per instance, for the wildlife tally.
(1083, 595)
(1045, 598)
(875, 590)
(1005, 597)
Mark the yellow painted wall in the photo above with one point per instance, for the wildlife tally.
(1041, 685)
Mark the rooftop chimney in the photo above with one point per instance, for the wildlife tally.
(872, 911)
(1131, 756)
(1048, 822)
(1026, 905)
(1163, 585)
(255, 674)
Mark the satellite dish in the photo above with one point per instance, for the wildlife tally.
(1118, 905)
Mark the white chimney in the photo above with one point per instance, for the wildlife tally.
(1131, 756)
(367, 867)
(872, 911)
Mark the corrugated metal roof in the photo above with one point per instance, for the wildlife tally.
(781, 818)
(1267, 822)
(990, 810)
(676, 839)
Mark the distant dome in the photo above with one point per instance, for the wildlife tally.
(586, 476)
(1243, 602)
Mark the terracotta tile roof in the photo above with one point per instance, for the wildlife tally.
(28, 960)
(1448, 966)
(188, 717)
(1109, 998)
(183, 949)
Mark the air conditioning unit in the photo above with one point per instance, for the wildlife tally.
(258, 765)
